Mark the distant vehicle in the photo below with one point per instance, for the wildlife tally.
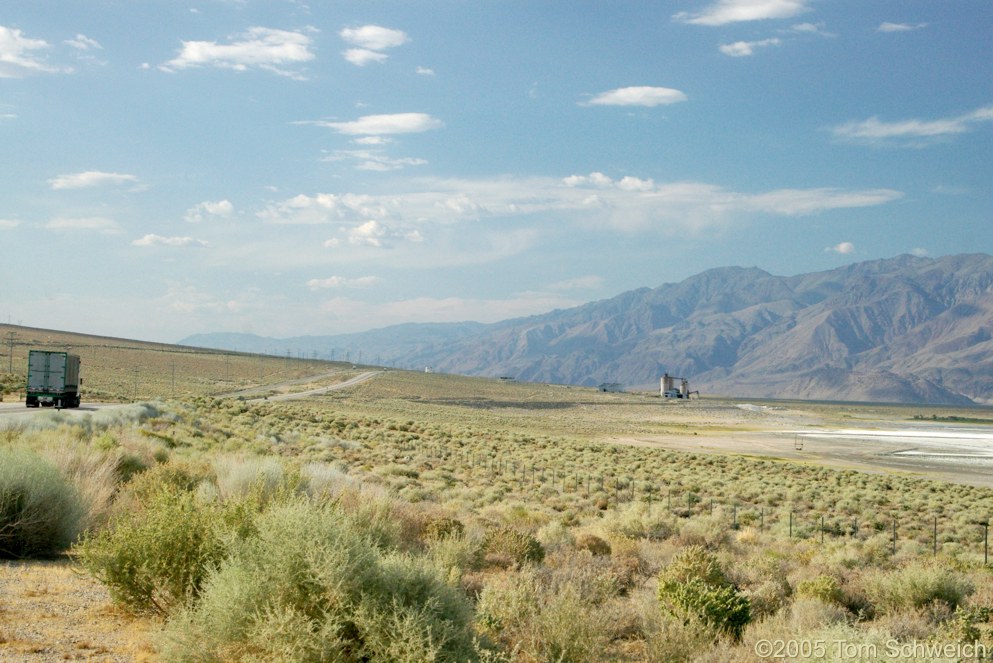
(53, 379)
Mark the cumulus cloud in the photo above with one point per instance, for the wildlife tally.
(745, 48)
(899, 27)
(334, 282)
(637, 96)
(913, 132)
(175, 242)
(9, 224)
(323, 208)
(277, 51)
(919, 252)
(724, 12)
(425, 71)
(374, 37)
(378, 125)
(20, 55)
(370, 42)
(209, 210)
(91, 178)
(843, 248)
(96, 224)
(360, 57)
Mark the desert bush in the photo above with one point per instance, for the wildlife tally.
(238, 477)
(823, 587)
(694, 584)
(41, 513)
(443, 528)
(310, 585)
(542, 620)
(94, 475)
(915, 586)
(510, 545)
(156, 557)
(592, 543)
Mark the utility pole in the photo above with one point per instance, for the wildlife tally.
(10, 339)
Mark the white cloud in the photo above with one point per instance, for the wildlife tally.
(919, 252)
(342, 282)
(637, 96)
(595, 201)
(744, 48)
(425, 71)
(83, 43)
(370, 233)
(911, 133)
(900, 27)
(18, 54)
(360, 57)
(801, 202)
(91, 178)
(322, 208)
(843, 248)
(378, 125)
(374, 37)
(724, 12)
(276, 51)
(175, 242)
(374, 160)
(208, 210)
(98, 224)
(8, 224)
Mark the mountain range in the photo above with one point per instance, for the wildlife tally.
(907, 330)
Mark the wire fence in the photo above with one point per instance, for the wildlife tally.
(605, 491)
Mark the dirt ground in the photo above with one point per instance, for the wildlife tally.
(51, 612)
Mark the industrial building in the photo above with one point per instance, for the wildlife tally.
(669, 389)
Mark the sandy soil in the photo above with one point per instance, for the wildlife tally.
(51, 612)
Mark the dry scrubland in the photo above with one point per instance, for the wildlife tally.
(438, 518)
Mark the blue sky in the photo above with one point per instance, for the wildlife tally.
(286, 168)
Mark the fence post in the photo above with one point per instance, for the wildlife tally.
(822, 529)
(894, 536)
(934, 539)
(791, 523)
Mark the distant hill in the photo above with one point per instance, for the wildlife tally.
(906, 329)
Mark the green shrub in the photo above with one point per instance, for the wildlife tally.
(695, 585)
(157, 557)
(915, 586)
(515, 546)
(443, 528)
(824, 588)
(543, 620)
(40, 512)
(310, 585)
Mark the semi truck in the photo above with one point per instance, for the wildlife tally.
(53, 379)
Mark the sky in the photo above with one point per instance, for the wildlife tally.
(287, 168)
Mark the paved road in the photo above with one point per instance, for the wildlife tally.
(15, 409)
(351, 382)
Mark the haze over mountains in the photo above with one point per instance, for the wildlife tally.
(906, 329)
